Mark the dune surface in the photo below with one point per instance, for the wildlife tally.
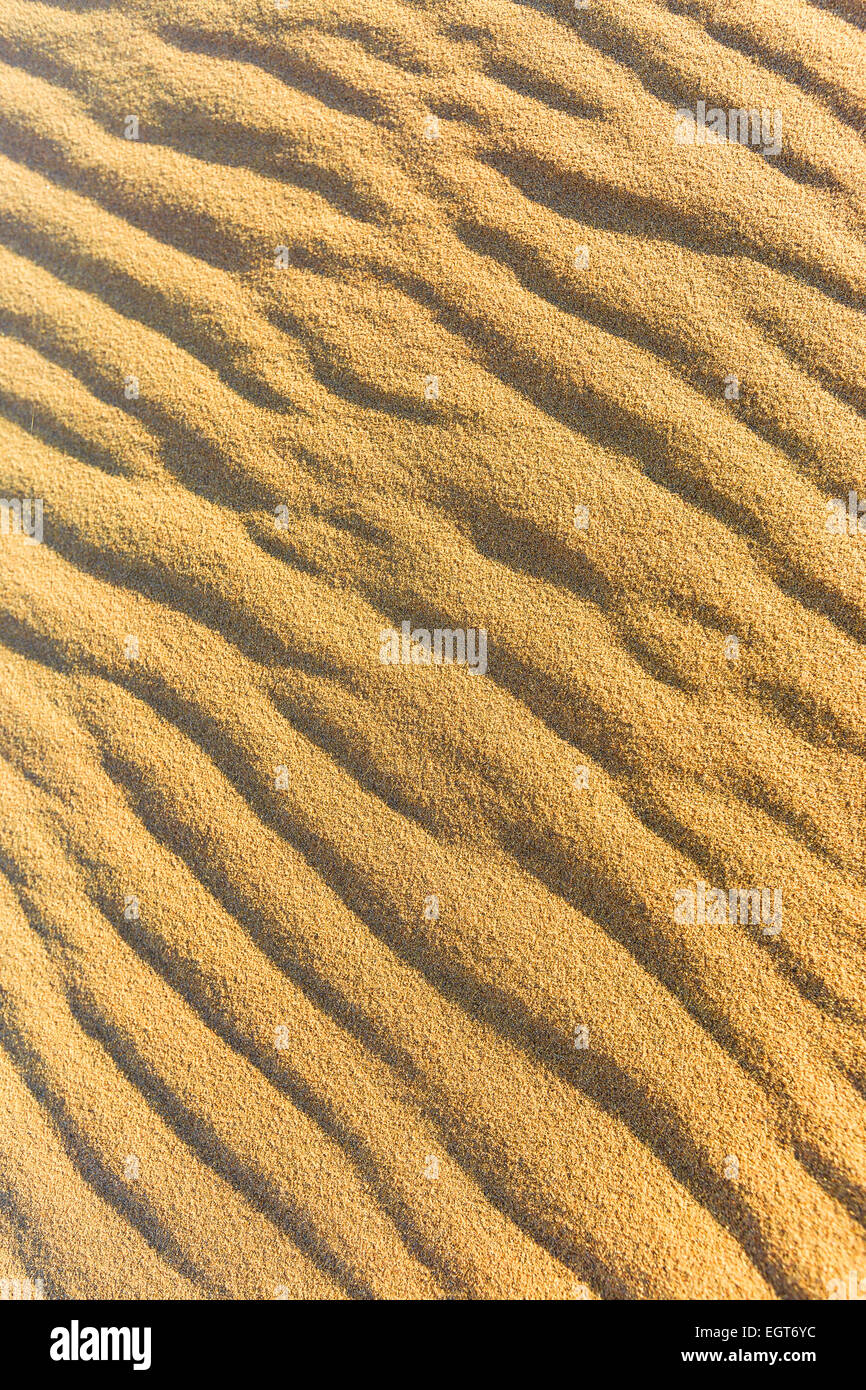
(339, 339)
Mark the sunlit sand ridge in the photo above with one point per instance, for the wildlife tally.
(341, 342)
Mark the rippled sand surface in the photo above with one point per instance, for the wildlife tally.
(324, 976)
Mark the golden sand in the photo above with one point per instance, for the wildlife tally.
(330, 977)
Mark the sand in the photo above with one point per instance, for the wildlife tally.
(329, 976)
